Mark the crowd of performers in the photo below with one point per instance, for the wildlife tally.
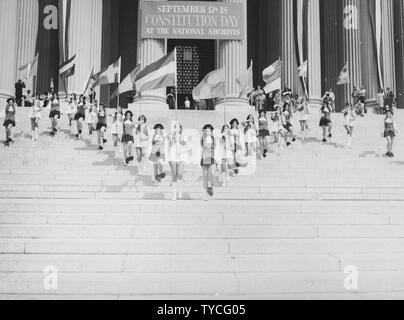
(224, 151)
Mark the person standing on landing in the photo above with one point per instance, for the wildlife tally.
(390, 131)
(9, 120)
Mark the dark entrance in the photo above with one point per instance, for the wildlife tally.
(195, 59)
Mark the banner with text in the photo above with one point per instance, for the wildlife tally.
(192, 20)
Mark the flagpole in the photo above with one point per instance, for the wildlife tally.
(176, 85)
(119, 81)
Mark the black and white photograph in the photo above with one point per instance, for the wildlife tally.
(229, 150)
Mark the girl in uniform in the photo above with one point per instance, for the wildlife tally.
(325, 121)
(178, 153)
(117, 130)
(157, 156)
(227, 152)
(208, 162)
(72, 108)
(35, 116)
(277, 129)
(80, 116)
(101, 127)
(263, 134)
(127, 137)
(350, 121)
(303, 116)
(54, 114)
(237, 144)
(250, 136)
(92, 118)
(286, 119)
(141, 141)
(9, 121)
(390, 131)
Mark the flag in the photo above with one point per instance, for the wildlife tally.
(25, 70)
(344, 76)
(212, 86)
(128, 84)
(160, 74)
(302, 70)
(90, 81)
(245, 81)
(273, 77)
(67, 69)
(110, 74)
(34, 66)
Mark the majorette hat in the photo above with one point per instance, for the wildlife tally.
(158, 126)
(208, 126)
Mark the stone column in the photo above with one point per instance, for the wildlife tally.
(314, 53)
(151, 50)
(233, 57)
(85, 41)
(289, 60)
(389, 74)
(352, 43)
(27, 29)
(370, 75)
(8, 40)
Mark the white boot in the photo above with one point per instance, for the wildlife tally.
(349, 144)
(174, 185)
(180, 189)
(33, 135)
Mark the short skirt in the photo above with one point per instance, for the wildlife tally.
(79, 116)
(325, 122)
(127, 138)
(54, 113)
(101, 125)
(264, 133)
(389, 133)
(208, 162)
(8, 122)
(156, 157)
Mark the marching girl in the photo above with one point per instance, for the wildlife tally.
(303, 113)
(390, 131)
(92, 118)
(286, 119)
(350, 121)
(127, 137)
(101, 127)
(54, 114)
(264, 135)
(80, 116)
(276, 128)
(237, 141)
(35, 116)
(158, 153)
(227, 153)
(141, 142)
(117, 130)
(71, 108)
(250, 135)
(9, 121)
(178, 153)
(325, 121)
(208, 161)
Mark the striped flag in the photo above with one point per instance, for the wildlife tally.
(212, 86)
(273, 77)
(160, 74)
(67, 69)
(90, 81)
(110, 74)
(245, 81)
(344, 76)
(128, 84)
(29, 69)
(302, 70)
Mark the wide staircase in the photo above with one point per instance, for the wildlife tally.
(289, 230)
